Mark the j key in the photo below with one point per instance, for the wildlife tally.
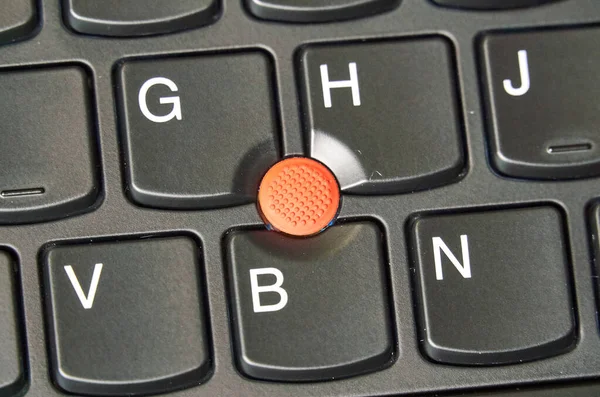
(543, 103)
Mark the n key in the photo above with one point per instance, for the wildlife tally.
(491, 288)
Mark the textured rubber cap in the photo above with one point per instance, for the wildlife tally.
(299, 196)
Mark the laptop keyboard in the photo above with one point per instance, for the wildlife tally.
(299, 198)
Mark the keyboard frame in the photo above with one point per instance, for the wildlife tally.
(480, 188)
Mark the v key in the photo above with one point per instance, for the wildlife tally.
(86, 301)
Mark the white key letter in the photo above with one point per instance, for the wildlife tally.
(256, 290)
(439, 245)
(86, 301)
(352, 83)
(525, 82)
(173, 100)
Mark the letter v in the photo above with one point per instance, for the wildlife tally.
(86, 301)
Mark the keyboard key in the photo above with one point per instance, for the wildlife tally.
(47, 145)
(128, 18)
(12, 361)
(384, 116)
(318, 11)
(491, 4)
(310, 309)
(18, 20)
(200, 131)
(126, 317)
(595, 226)
(543, 104)
(492, 288)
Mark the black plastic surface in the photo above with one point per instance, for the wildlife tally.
(196, 135)
(481, 188)
(310, 309)
(383, 116)
(132, 18)
(493, 287)
(18, 19)
(491, 4)
(542, 98)
(318, 11)
(12, 357)
(48, 153)
(126, 317)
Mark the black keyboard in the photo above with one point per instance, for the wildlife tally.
(299, 198)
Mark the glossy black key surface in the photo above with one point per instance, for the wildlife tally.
(127, 317)
(493, 287)
(18, 19)
(132, 18)
(47, 144)
(384, 116)
(492, 4)
(543, 103)
(317, 11)
(199, 132)
(12, 360)
(310, 309)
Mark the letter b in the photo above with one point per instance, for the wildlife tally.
(276, 288)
